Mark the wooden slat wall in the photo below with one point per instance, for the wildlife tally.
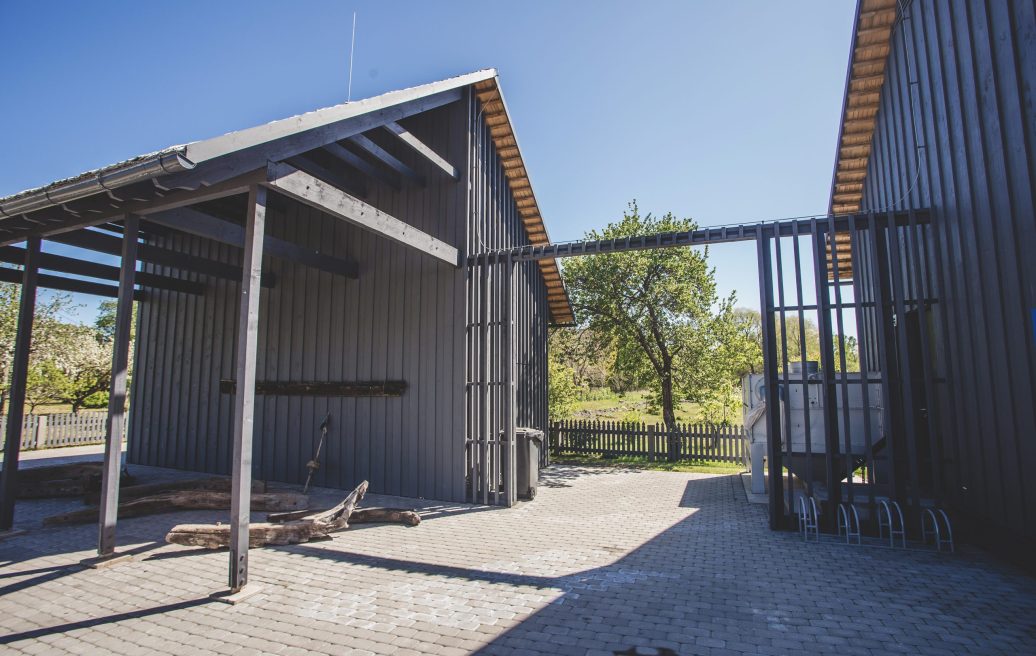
(495, 223)
(402, 319)
(956, 132)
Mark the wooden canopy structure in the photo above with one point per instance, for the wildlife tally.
(412, 150)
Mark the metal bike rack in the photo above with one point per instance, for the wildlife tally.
(849, 520)
(934, 517)
(808, 519)
(889, 515)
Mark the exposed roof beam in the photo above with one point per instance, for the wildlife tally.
(419, 146)
(388, 158)
(101, 243)
(350, 158)
(190, 220)
(306, 163)
(63, 264)
(69, 284)
(282, 146)
(316, 193)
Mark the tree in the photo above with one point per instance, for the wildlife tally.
(77, 369)
(49, 310)
(562, 391)
(659, 308)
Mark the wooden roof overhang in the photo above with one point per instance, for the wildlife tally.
(872, 34)
(495, 111)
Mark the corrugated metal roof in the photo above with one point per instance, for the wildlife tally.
(182, 157)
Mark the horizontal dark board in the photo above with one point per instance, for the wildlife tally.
(321, 388)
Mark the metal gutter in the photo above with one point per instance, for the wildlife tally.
(106, 179)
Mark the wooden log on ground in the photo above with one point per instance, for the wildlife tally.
(391, 515)
(184, 500)
(360, 516)
(67, 480)
(215, 484)
(217, 536)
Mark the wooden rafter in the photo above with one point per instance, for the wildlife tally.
(495, 113)
(314, 192)
(866, 76)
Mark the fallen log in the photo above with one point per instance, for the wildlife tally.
(183, 500)
(359, 516)
(215, 484)
(393, 515)
(217, 536)
(67, 480)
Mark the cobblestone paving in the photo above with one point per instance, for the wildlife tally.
(602, 561)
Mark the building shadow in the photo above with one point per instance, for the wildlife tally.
(36, 634)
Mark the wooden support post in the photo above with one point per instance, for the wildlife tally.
(244, 401)
(773, 410)
(19, 372)
(509, 388)
(114, 426)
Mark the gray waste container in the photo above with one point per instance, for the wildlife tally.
(529, 442)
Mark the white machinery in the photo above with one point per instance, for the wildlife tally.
(794, 423)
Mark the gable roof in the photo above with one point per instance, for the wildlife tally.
(872, 33)
(159, 166)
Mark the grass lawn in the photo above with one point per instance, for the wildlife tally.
(694, 466)
(605, 405)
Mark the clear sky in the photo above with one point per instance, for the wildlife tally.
(724, 112)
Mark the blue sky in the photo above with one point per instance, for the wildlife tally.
(725, 112)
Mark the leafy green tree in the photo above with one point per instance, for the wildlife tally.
(77, 369)
(659, 308)
(50, 308)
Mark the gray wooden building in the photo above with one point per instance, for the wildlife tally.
(939, 116)
(404, 318)
(313, 267)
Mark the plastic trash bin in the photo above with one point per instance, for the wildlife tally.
(529, 443)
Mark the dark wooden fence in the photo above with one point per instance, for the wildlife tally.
(654, 442)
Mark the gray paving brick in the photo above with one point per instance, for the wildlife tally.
(603, 560)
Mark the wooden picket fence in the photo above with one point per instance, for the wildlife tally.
(703, 442)
(66, 429)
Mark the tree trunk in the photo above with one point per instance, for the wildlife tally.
(668, 405)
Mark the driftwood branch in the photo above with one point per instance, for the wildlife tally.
(183, 500)
(290, 532)
(359, 516)
(215, 483)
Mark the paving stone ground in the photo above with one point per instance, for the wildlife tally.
(602, 561)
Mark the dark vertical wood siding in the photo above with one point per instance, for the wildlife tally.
(956, 132)
(402, 319)
(495, 223)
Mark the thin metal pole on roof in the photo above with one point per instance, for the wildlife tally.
(352, 49)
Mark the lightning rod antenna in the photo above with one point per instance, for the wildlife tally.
(352, 48)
